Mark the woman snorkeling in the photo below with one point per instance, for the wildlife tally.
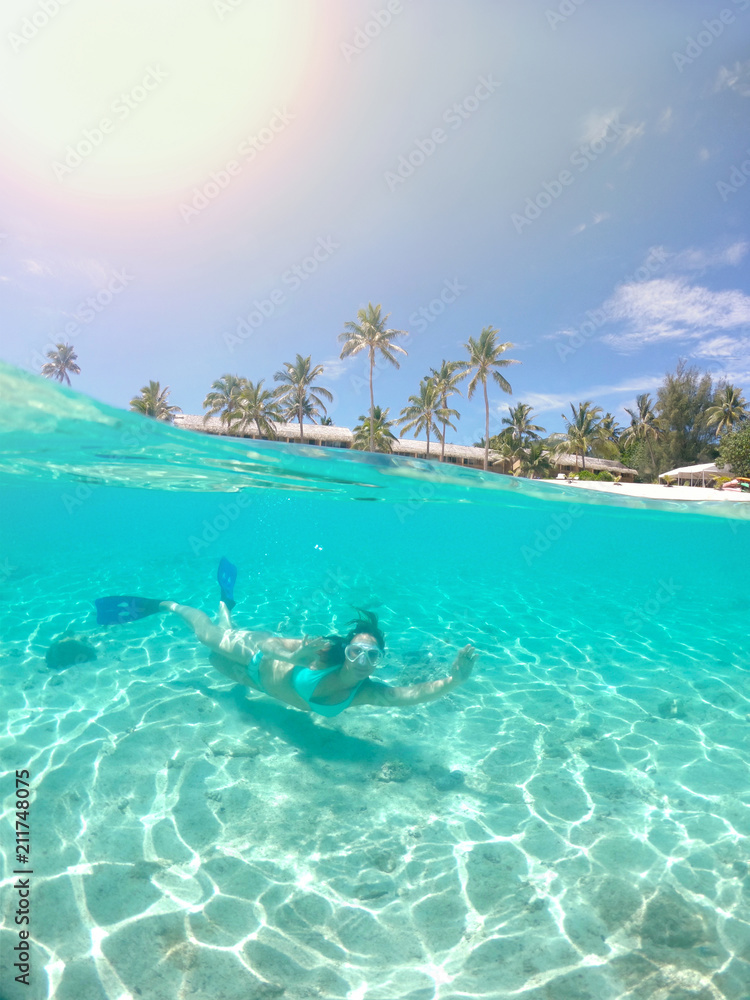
(321, 675)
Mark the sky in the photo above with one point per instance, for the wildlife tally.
(199, 187)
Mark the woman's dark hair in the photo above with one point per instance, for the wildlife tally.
(367, 621)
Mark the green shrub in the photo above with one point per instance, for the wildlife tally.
(735, 451)
(586, 475)
(605, 477)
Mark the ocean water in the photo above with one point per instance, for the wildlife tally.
(571, 823)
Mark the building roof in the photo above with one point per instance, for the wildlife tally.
(598, 464)
(326, 434)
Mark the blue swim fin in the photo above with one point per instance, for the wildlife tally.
(118, 610)
(227, 576)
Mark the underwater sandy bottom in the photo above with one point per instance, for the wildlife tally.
(572, 823)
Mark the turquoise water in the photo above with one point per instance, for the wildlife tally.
(571, 823)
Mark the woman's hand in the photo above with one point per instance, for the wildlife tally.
(464, 664)
(310, 649)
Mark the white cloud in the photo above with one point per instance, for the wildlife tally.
(629, 134)
(694, 259)
(558, 334)
(547, 402)
(672, 309)
(606, 125)
(334, 368)
(665, 120)
(722, 346)
(596, 219)
(36, 266)
(736, 78)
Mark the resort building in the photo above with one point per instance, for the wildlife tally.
(342, 437)
(571, 465)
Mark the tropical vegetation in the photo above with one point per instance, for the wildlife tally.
(62, 361)
(729, 410)
(686, 420)
(297, 394)
(485, 360)
(425, 411)
(734, 451)
(255, 405)
(154, 402)
(369, 333)
(375, 436)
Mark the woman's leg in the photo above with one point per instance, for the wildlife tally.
(236, 646)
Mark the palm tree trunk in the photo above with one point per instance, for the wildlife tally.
(428, 441)
(486, 426)
(442, 443)
(372, 403)
(299, 414)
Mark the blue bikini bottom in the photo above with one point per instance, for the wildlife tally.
(253, 670)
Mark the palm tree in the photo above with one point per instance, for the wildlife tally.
(583, 430)
(608, 444)
(644, 425)
(535, 461)
(297, 392)
(424, 411)
(381, 432)
(729, 408)
(446, 379)
(152, 402)
(369, 333)
(519, 425)
(254, 404)
(484, 360)
(223, 397)
(326, 422)
(503, 451)
(62, 361)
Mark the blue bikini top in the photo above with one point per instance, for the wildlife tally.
(305, 681)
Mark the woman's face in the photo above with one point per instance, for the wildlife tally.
(362, 656)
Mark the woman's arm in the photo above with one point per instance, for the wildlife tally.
(376, 693)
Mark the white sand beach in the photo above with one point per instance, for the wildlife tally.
(655, 491)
